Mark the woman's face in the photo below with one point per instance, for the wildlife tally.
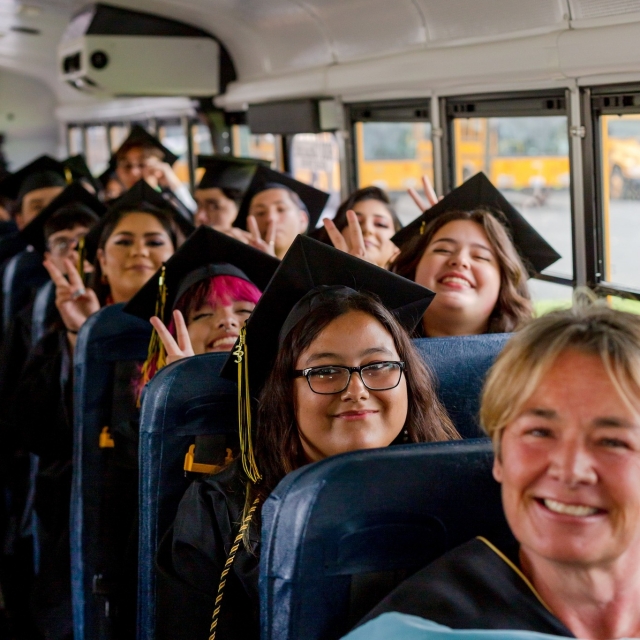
(356, 418)
(377, 230)
(216, 328)
(570, 469)
(214, 209)
(133, 253)
(461, 267)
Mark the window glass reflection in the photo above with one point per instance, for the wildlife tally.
(315, 160)
(394, 156)
(527, 158)
(98, 151)
(253, 146)
(620, 144)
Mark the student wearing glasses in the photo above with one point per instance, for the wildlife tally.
(334, 371)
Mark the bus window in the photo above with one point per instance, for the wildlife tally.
(117, 135)
(75, 139)
(527, 158)
(394, 156)
(548, 296)
(315, 161)
(620, 144)
(253, 146)
(98, 151)
(173, 136)
(201, 137)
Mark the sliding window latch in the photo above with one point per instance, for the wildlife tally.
(578, 131)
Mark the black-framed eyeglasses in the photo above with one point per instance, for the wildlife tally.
(329, 379)
(62, 246)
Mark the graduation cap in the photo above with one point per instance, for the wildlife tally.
(140, 194)
(80, 170)
(140, 137)
(74, 195)
(479, 193)
(43, 172)
(227, 172)
(264, 178)
(309, 272)
(206, 254)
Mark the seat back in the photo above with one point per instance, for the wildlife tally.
(338, 535)
(44, 310)
(460, 365)
(23, 274)
(183, 401)
(108, 337)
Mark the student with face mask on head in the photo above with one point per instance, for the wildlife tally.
(276, 208)
(335, 371)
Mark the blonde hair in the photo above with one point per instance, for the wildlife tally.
(591, 327)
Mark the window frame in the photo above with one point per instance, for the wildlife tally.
(619, 99)
(551, 102)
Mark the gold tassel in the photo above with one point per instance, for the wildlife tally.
(81, 257)
(423, 226)
(244, 410)
(155, 344)
(68, 176)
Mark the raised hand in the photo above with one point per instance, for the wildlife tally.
(267, 244)
(175, 350)
(74, 302)
(429, 192)
(354, 242)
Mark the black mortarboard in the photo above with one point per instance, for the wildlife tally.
(74, 195)
(264, 178)
(43, 172)
(80, 170)
(205, 254)
(479, 193)
(141, 193)
(227, 172)
(308, 269)
(140, 137)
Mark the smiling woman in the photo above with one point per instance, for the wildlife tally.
(562, 406)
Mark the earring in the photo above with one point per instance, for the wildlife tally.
(405, 435)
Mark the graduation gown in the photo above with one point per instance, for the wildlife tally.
(475, 586)
(191, 558)
(43, 422)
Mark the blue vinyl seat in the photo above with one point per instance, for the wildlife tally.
(188, 399)
(107, 338)
(22, 275)
(338, 535)
(184, 401)
(460, 365)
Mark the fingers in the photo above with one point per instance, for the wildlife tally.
(72, 273)
(56, 275)
(429, 190)
(355, 235)
(422, 204)
(184, 339)
(335, 236)
(271, 233)
(170, 345)
(252, 228)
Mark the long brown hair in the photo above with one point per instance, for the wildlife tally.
(102, 288)
(513, 306)
(277, 442)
